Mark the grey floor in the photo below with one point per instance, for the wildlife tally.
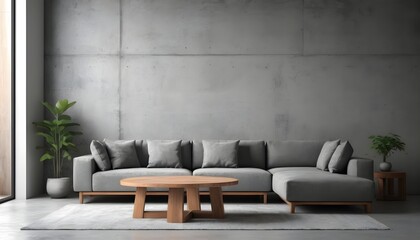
(402, 217)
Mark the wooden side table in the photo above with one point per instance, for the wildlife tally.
(386, 190)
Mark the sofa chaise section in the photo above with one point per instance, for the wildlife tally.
(298, 182)
(314, 187)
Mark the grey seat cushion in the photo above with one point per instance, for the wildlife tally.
(288, 169)
(110, 180)
(250, 179)
(313, 185)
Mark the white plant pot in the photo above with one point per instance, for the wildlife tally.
(58, 187)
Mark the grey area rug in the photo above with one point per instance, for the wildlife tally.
(238, 217)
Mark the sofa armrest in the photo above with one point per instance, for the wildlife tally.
(359, 167)
(83, 169)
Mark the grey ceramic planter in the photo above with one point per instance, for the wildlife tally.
(58, 187)
(385, 166)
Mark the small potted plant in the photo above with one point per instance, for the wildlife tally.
(385, 146)
(58, 137)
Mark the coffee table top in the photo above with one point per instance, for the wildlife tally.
(178, 181)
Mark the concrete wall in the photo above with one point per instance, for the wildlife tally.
(29, 95)
(263, 69)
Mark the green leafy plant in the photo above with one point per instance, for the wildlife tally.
(387, 145)
(58, 135)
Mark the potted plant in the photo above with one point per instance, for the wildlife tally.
(385, 146)
(58, 137)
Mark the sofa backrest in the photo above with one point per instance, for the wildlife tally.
(251, 153)
(143, 154)
(293, 153)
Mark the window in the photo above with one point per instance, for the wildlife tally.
(6, 100)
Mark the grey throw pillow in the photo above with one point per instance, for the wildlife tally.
(220, 154)
(164, 154)
(326, 153)
(122, 154)
(100, 155)
(340, 158)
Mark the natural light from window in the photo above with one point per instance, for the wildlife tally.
(5, 99)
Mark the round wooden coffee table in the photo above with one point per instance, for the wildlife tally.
(177, 185)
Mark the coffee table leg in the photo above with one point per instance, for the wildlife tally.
(216, 199)
(175, 205)
(139, 202)
(193, 199)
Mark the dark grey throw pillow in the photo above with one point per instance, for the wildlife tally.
(100, 155)
(164, 154)
(122, 154)
(340, 158)
(222, 154)
(326, 153)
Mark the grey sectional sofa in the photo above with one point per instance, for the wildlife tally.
(285, 167)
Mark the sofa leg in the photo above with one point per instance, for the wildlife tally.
(81, 197)
(368, 208)
(292, 208)
(265, 198)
